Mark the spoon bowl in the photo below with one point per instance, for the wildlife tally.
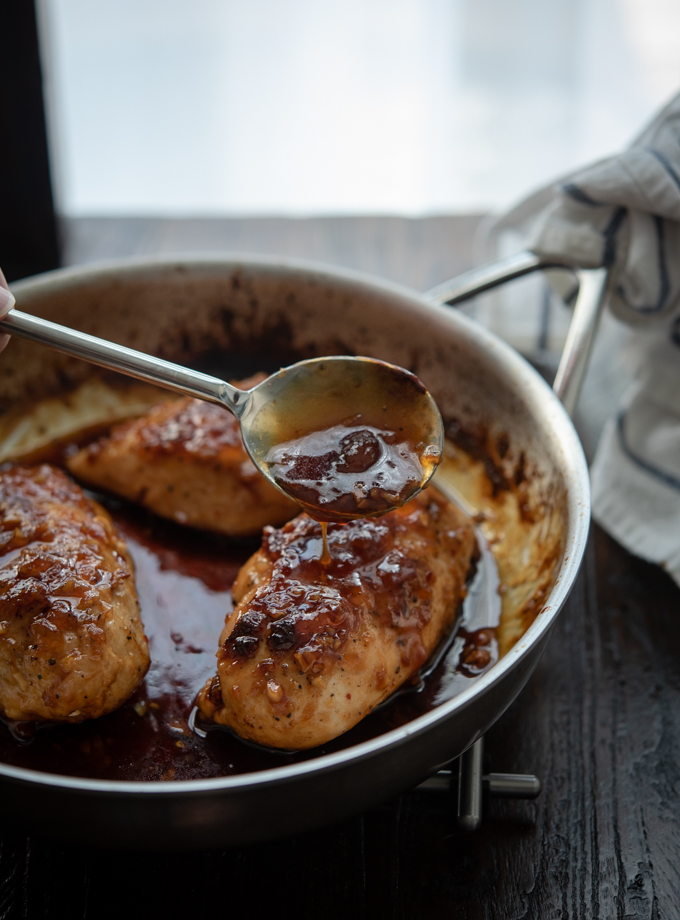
(346, 437)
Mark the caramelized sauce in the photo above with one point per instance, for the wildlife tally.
(325, 557)
(184, 579)
(350, 471)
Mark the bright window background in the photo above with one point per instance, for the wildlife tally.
(305, 107)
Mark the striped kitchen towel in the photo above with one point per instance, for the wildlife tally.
(624, 213)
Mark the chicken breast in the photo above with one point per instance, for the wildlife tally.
(185, 460)
(311, 649)
(72, 646)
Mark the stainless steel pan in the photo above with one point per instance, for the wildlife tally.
(181, 307)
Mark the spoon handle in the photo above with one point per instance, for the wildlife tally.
(125, 360)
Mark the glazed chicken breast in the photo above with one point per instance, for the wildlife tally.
(311, 649)
(72, 646)
(185, 460)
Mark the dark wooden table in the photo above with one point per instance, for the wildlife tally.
(599, 722)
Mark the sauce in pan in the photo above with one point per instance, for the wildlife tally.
(184, 579)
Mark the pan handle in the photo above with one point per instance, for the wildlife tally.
(582, 329)
(592, 284)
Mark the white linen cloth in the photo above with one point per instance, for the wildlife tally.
(624, 213)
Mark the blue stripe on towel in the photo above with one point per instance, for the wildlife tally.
(665, 163)
(675, 332)
(570, 298)
(573, 191)
(610, 231)
(668, 478)
(664, 283)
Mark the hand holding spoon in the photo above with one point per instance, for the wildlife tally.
(345, 437)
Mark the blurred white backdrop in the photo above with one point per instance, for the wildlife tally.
(307, 107)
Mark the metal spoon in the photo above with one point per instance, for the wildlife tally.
(306, 397)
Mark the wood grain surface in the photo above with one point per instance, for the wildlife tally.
(599, 722)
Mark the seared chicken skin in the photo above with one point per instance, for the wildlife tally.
(311, 649)
(185, 460)
(72, 646)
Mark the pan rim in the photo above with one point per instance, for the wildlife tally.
(574, 469)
